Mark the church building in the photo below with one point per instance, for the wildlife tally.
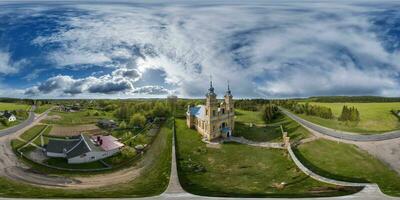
(214, 119)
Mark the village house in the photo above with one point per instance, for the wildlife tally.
(8, 116)
(107, 124)
(83, 149)
(214, 119)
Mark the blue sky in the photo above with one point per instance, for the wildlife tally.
(135, 49)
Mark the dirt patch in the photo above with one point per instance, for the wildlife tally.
(74, 130)
(37, 155)
(215, 146)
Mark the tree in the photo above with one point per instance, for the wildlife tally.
(137, 120)
(349, 114)
(122, 125)
(160, 110)
(269, 112)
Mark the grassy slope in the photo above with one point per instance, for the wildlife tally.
(375, 117)
(272, 132)
(153, 180)
(255, 175)
(32, 132)
(347, 162)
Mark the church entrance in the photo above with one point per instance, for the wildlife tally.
(225, 130)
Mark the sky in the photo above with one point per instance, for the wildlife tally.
(264, 49)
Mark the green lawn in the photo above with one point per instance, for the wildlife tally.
(260, 172)
(375, 117)
(32, 132)
(152, 181)
(77, 118)
(347, 162)
(271, 131)
(14, 106)
(42, 108)
(245, 116)
(16, 143)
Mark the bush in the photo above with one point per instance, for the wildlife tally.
(137, 120)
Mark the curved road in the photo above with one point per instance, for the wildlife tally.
(343, 135)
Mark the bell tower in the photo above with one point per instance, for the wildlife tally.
(228, 98)
(211, 102)
(211, 111)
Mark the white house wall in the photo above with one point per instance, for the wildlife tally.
(55, 155)
(92, 156)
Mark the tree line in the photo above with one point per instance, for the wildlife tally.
(308, 109)
(354, 99)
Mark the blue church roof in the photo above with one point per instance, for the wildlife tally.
(198, 111)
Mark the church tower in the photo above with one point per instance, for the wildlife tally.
(228, 98)
(211, 110)
(229, 106)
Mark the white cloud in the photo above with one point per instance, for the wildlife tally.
(264, 49)
(7, 66)
(121, 81)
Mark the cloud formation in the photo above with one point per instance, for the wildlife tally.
(120, 81)
(7, 66)
(264, 49)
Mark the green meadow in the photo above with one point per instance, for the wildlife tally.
(374, 117)
(348, 163)
(14, 106)
(261, 172)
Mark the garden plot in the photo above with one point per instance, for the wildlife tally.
(66, 131)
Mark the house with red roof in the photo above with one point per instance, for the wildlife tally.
(84, 148)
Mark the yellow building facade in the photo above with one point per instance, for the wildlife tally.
(213, 120)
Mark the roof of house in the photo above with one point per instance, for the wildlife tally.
(8, 115)
(108, 142)
(78, 150)
(73, 147)
(58, 145)
(198, 111)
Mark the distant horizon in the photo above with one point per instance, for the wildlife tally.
(194, 98)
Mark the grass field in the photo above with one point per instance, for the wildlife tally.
(42, 108)
(76, 118)
(271, 131)
(347, 162)
(244, 116)
(375, 117)
(260, 172)
(14, 106)
(152, 181)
